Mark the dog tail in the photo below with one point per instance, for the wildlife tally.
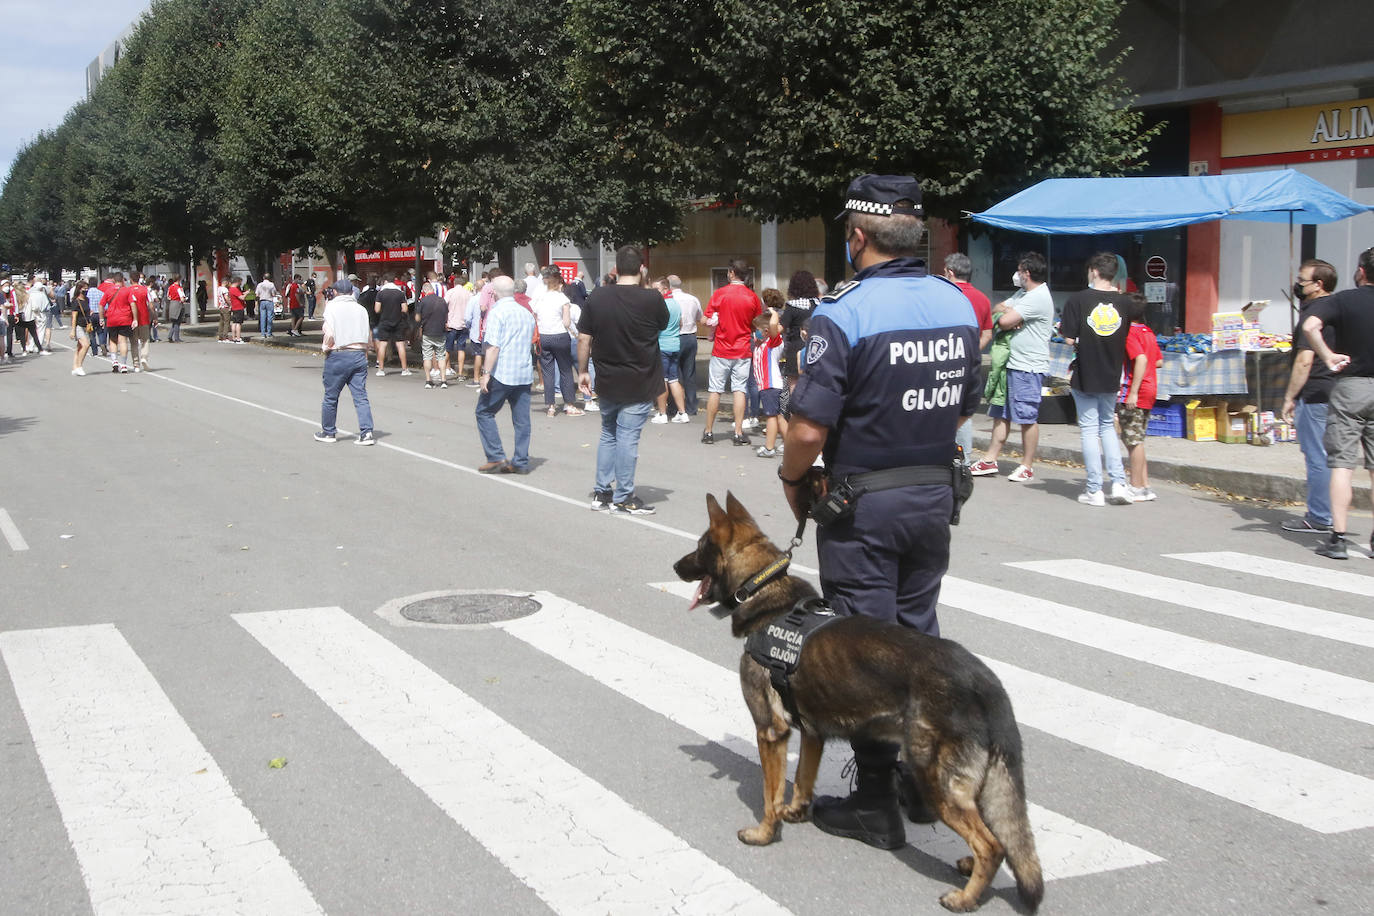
(1002, 804)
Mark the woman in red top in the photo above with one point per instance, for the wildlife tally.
(236, 307)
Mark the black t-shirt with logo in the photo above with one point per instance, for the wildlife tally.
(1096, 319)
(1350, 315)
(1319, 378)
(624, 323)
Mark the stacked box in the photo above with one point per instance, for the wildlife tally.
(1226, 340)
(1201, 422)
(1228, 321)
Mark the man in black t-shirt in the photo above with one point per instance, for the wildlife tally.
(1305, 401)
(1094, 320)
(622, 322)
(433, 314)
(1350, 416)
(393, 326)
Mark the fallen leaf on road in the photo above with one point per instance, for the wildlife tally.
(277, 763)
(200, 772)
(243, 548)
(277, 715)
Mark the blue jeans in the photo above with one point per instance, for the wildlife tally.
(687, 371)
(618, 450)
(1311, 422)
(345, 367)
(265, 311)
(488, 404)
(964, 436)
(1096, 413)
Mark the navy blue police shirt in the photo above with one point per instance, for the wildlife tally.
(892, 363)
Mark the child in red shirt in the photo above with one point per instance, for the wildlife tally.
(1138, 387)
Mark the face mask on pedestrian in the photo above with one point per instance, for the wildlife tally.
(1299, 289)
(1016, 280)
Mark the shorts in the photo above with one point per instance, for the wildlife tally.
(53, 320)
(298, 312)
(1350, 423)
(474, 347)
(456, 341)
(721, 369)
(670, 370)
(392, 331)
(236, 316)
(431, 347)
(1134, 421)
(120, 330)
(770, 401)
(1023, 398)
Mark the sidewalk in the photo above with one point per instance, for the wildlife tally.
(1270, 472)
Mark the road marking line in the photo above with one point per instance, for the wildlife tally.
(155, 825)
(11, 532)
(1275, 782)
(1301, 573)
(704, 697)
(576, 844)
(1271, 612)
(1312, 688)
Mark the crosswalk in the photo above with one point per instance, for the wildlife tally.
(156, 825)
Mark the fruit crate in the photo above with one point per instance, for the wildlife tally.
(1166, 421)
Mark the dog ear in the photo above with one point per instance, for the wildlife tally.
(714, 511)
(736, 511)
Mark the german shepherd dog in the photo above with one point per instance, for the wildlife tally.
(858, 677)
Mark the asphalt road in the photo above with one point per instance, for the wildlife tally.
(192, 587)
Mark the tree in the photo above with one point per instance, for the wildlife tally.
(779, 104)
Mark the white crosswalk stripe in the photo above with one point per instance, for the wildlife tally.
(1254, 608)
(581, 848)
(155, 825)
(1313, 688)
(1287, 570)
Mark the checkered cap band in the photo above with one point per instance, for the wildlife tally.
(867, 206)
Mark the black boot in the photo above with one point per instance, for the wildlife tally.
(870, 814)
(912, 799)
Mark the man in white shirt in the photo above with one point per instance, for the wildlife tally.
(267, 305)
(1029, 315)
(687, 352)
(347, 335)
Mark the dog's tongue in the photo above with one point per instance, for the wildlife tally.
(702, 588)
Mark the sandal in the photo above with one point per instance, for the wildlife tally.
(553, 411)
(574, 412)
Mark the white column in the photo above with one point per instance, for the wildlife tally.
(768, 255)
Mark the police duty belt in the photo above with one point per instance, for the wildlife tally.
(778, 646)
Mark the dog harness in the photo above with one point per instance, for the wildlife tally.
(778, 646)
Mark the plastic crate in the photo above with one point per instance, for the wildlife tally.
(1166, 421)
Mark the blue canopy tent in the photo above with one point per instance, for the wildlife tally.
(1092, 206)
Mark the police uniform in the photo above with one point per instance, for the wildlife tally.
(892, 363)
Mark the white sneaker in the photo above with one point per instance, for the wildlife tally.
(1094, 498)
(451, 373)
(381, 372)
(659, 418)
(1021, 474)
(1143, 494)
(405, 372)
(78, 371)
(1121, 495)
(681, 418)
(750, 423)
(592, 405)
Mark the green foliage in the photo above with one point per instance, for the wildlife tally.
(272, 124)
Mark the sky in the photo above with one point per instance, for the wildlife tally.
(43, 69)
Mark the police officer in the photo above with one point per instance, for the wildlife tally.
(892, 370)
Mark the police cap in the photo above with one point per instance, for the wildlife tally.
(878, 195)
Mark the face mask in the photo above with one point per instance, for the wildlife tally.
(1298, 288)
(1016, 280)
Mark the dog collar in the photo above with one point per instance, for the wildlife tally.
(775, 570)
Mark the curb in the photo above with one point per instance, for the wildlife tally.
(1240, 483)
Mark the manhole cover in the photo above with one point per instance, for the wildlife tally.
(469, 609)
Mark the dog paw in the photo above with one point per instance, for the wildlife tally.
(965, 866)
(797, 813)
(958, 902)
(758, 835)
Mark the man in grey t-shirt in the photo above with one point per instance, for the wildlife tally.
(1029, 315)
